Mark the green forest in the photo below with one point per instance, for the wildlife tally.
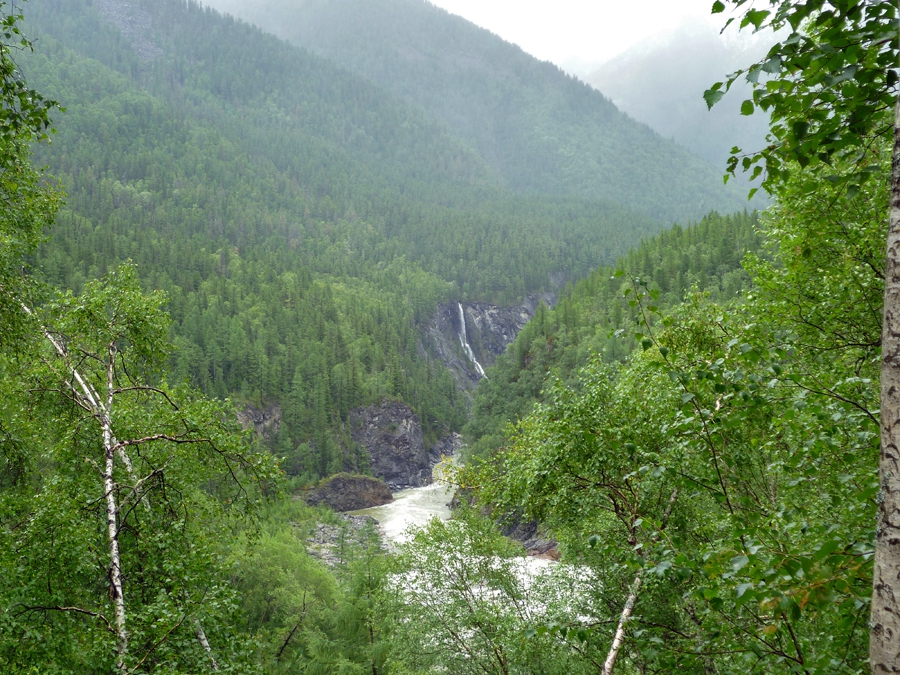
(541, 131)
(306, 197)
(198, 218)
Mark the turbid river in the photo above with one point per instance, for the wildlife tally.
(413, 506)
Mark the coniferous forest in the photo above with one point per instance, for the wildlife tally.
(200, 220)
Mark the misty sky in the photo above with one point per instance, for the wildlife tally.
(569, 32)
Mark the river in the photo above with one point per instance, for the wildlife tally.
(413, 506)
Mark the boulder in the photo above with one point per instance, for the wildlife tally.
(349, 492)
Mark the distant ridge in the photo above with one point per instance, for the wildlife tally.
(661, 82)
(304, 222)
(540, 129)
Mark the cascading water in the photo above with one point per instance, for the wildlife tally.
(413, 506)
(465, 342)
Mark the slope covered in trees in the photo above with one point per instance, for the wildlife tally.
(593, 317)
(302, 221)
(716, 489)
(539, 129)
(661, 82)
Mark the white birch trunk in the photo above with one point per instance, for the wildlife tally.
(90, 400)
(112, 513)
(619, 637)
(884, 642)
(201, 636)
(631, 601)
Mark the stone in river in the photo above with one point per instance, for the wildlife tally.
(349, 492)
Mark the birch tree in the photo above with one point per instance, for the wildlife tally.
(830, 87)
(160, 471)
(722, 501)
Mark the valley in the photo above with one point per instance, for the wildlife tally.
(267, 264)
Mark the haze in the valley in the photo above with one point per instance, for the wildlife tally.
(659, 81)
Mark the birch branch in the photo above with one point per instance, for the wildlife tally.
(76, 610)
(631, 601)
(201, 636)
(111, 448)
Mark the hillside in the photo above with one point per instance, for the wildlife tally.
(541, 130)
(595, 317)
(303, 222)
(661, 82)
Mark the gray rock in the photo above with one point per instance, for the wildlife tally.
(391, 435)
(448, 446)
(349, 492)
(489, 330)
(536, 542)
(134, 22)
(264, 421)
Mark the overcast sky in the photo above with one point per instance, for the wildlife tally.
(569, 32)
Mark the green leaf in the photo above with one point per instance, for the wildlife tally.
(661, 568)
(755, 17)
(747, 108)
(712, 96)
(772, 66)
(739, 562)
(799, 129)
(718, 7)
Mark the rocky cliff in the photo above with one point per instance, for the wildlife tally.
(264, 421)
(391, 435)
(468, 337)
(349, 492)
(135, 23)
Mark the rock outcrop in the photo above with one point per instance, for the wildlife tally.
(487, 329)
(391, 435)
(135, 23)
(448, 446)
(349, 492)
(529, 534)
(264, 421)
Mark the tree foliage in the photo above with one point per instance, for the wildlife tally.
(829, 86)
(730, 463)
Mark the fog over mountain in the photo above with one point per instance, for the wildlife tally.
(661, 82)
(541, 130)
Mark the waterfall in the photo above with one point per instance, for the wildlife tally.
(465, 343)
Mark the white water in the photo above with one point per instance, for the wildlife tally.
(463, 340)
(413, 506)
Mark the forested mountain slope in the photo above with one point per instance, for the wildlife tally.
(661, 82)
(541, 130)
(595, 316)
(302, 221)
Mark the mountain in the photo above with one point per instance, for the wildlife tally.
(304, 223)
(595, 316)
(541, 130)
(661, 82)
